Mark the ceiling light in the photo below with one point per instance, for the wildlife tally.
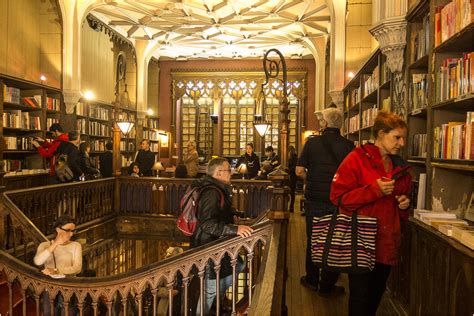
(43, 78)
(350, 75)
(149, 112)
(89, 95)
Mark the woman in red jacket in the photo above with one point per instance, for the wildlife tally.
(374, 181)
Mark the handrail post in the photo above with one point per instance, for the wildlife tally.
(279, 212)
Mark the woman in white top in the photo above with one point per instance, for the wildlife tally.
(60, 256)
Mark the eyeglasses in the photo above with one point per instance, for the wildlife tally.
(68, 230)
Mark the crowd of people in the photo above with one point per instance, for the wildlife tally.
(338, 178)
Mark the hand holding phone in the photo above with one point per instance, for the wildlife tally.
(386, 185)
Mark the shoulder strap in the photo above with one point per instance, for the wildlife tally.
(329, 149)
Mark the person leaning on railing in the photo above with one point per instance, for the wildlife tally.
(216, 222)
(61, 257)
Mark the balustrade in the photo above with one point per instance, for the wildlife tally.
(162, 196)
(137, 293)
(84, 201)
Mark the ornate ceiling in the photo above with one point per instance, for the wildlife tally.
(193, 29)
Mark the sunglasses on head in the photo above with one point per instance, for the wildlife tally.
(68, 230)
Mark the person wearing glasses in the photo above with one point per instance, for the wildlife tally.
(61, 255)
(217, 219)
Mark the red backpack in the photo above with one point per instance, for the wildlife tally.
(187, 221)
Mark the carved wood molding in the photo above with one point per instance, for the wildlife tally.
(391, 35)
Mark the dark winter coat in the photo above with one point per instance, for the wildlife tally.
(145, 160)
(73, 158)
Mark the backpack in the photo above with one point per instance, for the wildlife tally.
(62, 170)
(187, 221)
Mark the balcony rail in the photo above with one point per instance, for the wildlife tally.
(161, 196)
(137, 292)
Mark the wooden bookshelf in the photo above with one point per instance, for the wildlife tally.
(28, 109)
(364, 96)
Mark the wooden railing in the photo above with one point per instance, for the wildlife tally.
(136, 293)
(85, 201)
(161, 196)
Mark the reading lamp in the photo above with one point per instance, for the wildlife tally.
(243, 170)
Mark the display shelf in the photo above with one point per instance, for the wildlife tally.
(419, 112)
(461, 165)
(461, 103)
(371, 97)
(462, 41)
(420, 64)
(386, 85)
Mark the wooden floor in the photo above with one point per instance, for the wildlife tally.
(302, 301)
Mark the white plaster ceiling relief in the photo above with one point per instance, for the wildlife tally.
(202, 29)
(391, 35)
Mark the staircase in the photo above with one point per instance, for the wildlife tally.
(17, 299)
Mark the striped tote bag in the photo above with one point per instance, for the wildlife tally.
(343, 243)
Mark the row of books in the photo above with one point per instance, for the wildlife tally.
(50, 121)
(81, 126)
(99, 129)
(151, 135)
(98, 145)
(19, 119)
(126, 116)
(355, 96)
(99, 113)
(368, 116)
(124, 143)
(11, 95)
(371, 83)
(151, 123)
(354, 123)
(421, 40)
(34, 101)
(154, 147)
(81, 109)
(18, 143)
(419, 91)
(53, 104)
(13, 165)
(385, 73)
(455, 140)
(448, 224)
(451, 18)
(455, 77)
(419, 145)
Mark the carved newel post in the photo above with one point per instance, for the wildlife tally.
(280, 195)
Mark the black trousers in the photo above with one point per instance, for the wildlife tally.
(366, 290)
(328, 278)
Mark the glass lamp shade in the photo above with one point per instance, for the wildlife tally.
(262, 127)
(125, 127)
(243, 168)
(158, 166)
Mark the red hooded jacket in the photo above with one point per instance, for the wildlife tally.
(355, 187)
(48, 150)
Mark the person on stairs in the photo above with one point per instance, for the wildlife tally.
(319, 160)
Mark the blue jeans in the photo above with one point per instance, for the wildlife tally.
(210, 288)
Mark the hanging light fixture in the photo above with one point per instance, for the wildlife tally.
(260, 123)
(125, 127)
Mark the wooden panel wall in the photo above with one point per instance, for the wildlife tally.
(98, 64)
(30, 44)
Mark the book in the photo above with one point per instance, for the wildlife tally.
(420, 201)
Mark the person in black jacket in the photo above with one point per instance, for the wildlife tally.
(292, 161)
(216, 222)
(319, 160)
(73, 157)
(87, 163)
(145, 158)
(106, 161)
(251, 161)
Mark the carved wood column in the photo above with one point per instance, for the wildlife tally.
(390, 32)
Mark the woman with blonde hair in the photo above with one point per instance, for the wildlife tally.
(191, 159)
